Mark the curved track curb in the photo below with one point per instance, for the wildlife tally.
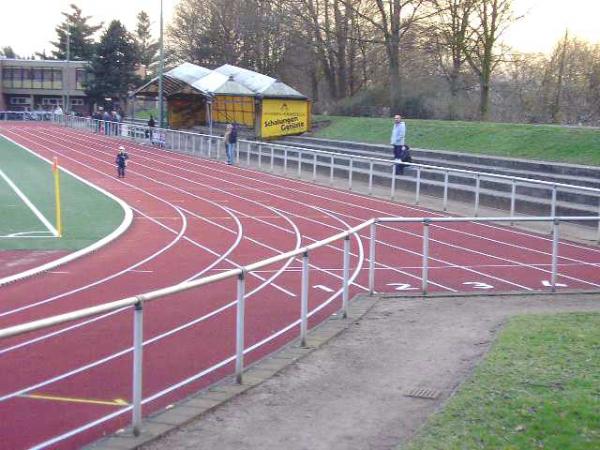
(127, 220)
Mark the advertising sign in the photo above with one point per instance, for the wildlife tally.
(281, 117)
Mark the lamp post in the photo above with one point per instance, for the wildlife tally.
(160, 71)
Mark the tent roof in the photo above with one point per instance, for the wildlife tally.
(216, 83)
(226, 80)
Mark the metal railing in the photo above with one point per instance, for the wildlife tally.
(266, 155)
(137, 302)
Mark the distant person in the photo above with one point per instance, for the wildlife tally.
(229, 139)
(397, 140)
(151, 125)
(121, 162)
(58, 111)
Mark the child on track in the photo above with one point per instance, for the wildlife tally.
(121, 162)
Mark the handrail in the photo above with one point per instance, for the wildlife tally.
(487, 175)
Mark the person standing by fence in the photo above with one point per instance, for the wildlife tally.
(230, 139)
(397, 140)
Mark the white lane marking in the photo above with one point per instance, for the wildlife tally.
(478, 285)
(402, 286)
(141, 271)
(28, 202)
(549, 284)
(323, 288)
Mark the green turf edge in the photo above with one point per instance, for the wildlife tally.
(576, 145)
(539, 387)
(88, 214)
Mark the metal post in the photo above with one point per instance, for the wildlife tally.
(331, 171)
(346, 281)
(285, 160)
(272, 158)
(513, 199)
(554, 253)
(477, 188)
(304, 301)
(314, 167)
(425, 279)
(210, 139)
(299, 164)
(237, 152)
(239, 341)
(350, 164)
(598, 237)
(160, 71)
(372, 243)
(418, 187)
(446, 191)
(260, 155)
(370, 177)
(248, 148)
(393, 189)
(138, 342)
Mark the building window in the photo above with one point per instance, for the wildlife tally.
(49, 101)
(80, 78)
(19, 100)
(36, 78)
(77, 102)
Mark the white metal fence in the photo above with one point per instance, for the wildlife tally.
(207, 146)
(297, 161)
(137, 302)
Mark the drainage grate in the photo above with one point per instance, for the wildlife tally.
(427, 393)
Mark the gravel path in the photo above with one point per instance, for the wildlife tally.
(351, 393)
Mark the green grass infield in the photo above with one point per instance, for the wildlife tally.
(539, 387)
(87, 214)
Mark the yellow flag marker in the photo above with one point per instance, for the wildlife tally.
(56, 173)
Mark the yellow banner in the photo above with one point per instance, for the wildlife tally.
(283, 117)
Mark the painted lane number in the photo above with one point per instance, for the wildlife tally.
(402, 286)
(478, 285)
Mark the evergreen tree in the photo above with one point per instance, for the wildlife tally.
(113, 67)
(79, 35)
(147, 47)
(8, 52)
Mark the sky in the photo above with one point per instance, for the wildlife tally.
(28, 25)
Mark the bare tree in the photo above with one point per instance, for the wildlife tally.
(451, 32)
(491, 19)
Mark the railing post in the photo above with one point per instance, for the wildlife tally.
(346, 273)
(513, 198)
(331, 171)
(239, 341)
(393, 187)
(553, 205)
(418, 186)
(248, 149)
(446, 191)
(260, 155)
(477, 189)
(299, 164)
(555, 233)
(285, 161)
(370, 177)
(598, 237)
(237, 152)
(314, 167)
(425, 280)
(372, 244)
(272, 159)
(350, 166)
(138, 348)
(210, 139)
(304, 301)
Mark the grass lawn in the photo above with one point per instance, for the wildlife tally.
(88, 215)
(539, 387)
(542, 142)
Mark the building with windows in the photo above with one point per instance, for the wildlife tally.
(43, 85)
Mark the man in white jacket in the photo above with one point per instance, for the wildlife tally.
(397, 140)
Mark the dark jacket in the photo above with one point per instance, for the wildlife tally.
(121, 160)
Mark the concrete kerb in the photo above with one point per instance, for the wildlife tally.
(196, 406)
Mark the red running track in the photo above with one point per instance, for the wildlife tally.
(194, 217)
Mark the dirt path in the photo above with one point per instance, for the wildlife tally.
(351, 393)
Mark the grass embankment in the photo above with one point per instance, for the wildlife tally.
(88, 215)
(575, 145)
(538, 388)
